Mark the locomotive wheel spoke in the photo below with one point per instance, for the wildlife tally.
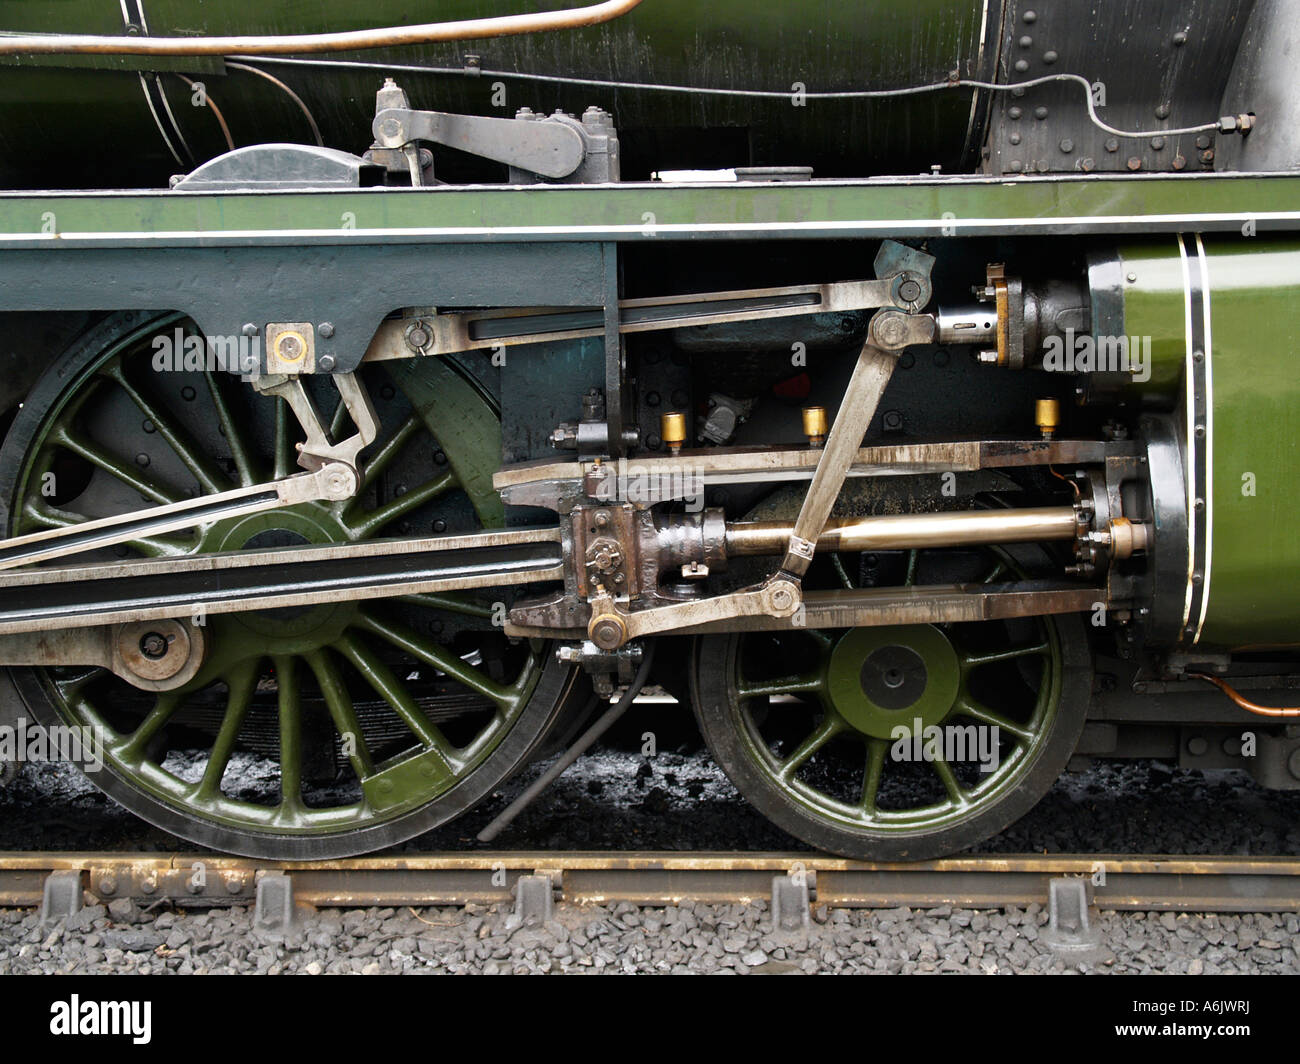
(894, 754)
(830, 727)
(244, 756)
(372, 521)
(241, 452)
(342, 711)
(115, 467)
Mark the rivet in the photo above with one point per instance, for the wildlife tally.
(1014, 138)
(1015, 166)
(1132, 278)
(1180, 39)
(1162, 111)
(1030, 17)
(1014, 112)
(1050, 57)
(1180, 162)
(1067, 145)
(1026, 41)
(1022, 65)
(1040, 113)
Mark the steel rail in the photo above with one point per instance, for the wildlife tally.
(1116, 881)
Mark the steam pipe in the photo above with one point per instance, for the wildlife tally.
(300, 44)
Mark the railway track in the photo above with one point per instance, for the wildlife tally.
(1115, 882)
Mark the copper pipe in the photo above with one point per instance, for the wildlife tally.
(1243, 703)
(901, 531)
(301, 44)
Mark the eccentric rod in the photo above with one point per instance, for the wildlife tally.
(299, 44)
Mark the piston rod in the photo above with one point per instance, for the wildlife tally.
(965, 528)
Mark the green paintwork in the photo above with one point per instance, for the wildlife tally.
(1155, 306)
(844, 678)
(832, 45)
(298, 644)
(1254, 577)
(439, 395)
(654, 211)
(1254, 569)
(851, 727)
(1255, 383)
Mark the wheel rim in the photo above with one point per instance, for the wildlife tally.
(886, 728)
(411, 698)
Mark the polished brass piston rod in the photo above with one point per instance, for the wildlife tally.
(964, 528)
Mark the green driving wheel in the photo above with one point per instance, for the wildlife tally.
(307, 732)
(899, 742)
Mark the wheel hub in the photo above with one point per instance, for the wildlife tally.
(285, 629)
(882, 678)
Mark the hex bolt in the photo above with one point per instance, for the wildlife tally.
(1207, 156)
(249, 329)
(106, 885)
(148, 886)
(1134, 162)
(234, 884)
(1157, 143)
(1112, 145)
(326, 363)
(1067, 145)
(325, 329)
(1180, 162)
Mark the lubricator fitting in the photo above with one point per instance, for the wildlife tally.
(1047, 416)
(815, 425)
(672, 430)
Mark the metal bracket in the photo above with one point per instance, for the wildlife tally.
(551, 149)
(319, 450)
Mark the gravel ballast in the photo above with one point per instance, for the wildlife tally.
(688, 938)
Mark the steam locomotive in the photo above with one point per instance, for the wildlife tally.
(909, 388)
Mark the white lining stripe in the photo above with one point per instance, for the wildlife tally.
(1208, 442)
(1189, 455)
(893, 225)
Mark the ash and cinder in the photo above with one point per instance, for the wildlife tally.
(617, 798)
